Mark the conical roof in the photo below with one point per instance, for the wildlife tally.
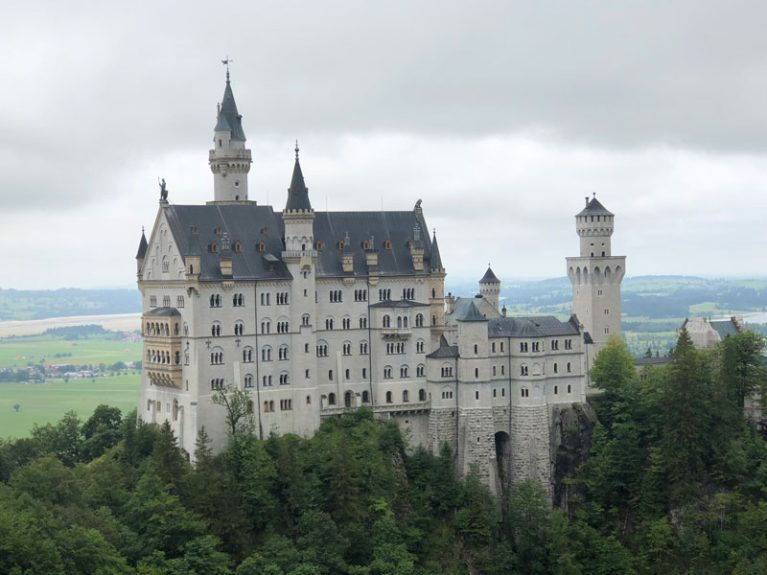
(436, 260)
(298, 193)
(229, 118)
(489, 277)
(594, 208)
(142, 246)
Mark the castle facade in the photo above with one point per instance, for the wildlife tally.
(312, 314)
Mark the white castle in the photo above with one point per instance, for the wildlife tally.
(313, 314)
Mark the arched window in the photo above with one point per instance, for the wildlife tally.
(388, 397)
(419, 320)
(332, 399)
(403, 372)
(420, 370)
(386, 321)
(421, 395)
(248, 381)
(405, 396)
(348, 399)
(365, 397)
(247, 355)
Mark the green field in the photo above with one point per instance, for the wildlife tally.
(21, 351)
(48, 402)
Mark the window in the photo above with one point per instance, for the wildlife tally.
(166, 301)
(266, 326)
(248, 381)
(503, 392)
(322, 349)
(363, 323)
(403, 372)
(332, 399)
(266, 353)
(387, 372)
(388, 397)
(330, 375)
(363, 348)
(283, 327)
(215, 384)
(215, 329)
(523, 370)
(476, 349)
(492, 347)
(555, 344)
(238, 328)
(386, 321)
(384, 294)
(153, 301)
(569, 369)
(238, 300)
(329, 324)
(568, 344)
(421, 395)
(265, 299)
(556, 389)
(306, 374)
(365, 396)
(476, 373)
(495, 370)
(419, 346)
(501, 347)
(266, 381)
(536, 346)
(525, 392)
(420, 370)
(419, 320)
(215, 300)
(346, 323)
(360, 295)
(347, 374)
(447, 394)
(503, 370)
(305, 319)
(364, 373)
(283, 352)
(495, 392)
(180, 301)
(217, 357)
(247, 355)
(523, 346)
(336, 296)
(569, 389)
(347, 348)
(284, 378)
(282, 298)
(408, 293)
(405, 396)
(268, 406)
(447, 371)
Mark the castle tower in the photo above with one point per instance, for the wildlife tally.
(229, 159)
(437, 292)
(490, 288)
(596, 275)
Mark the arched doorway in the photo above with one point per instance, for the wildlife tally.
(503, 459)
(348, 399)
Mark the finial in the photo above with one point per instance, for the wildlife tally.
(142, 230)
(595, 194)
(297, 149)
(226, 61)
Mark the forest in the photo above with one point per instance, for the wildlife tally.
(675, 482)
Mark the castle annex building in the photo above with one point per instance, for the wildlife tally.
(315, 313)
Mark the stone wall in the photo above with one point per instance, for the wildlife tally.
(530, 444)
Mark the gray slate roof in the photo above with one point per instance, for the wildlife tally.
(250, 224)
(228, 116)
(444, 351)
(142, 247)
(533, 326)
(489, 277)
(298, 193)
(724, 327)
(472, 313)
(594, 208)
(436, 259)
(163, 312)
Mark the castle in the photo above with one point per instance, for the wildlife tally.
(314, 313)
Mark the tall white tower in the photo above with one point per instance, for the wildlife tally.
(229, 159)
(596, 275)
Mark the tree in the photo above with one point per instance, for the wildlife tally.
(102, 431)
(239, 410)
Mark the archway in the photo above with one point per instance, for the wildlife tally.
(503, 461)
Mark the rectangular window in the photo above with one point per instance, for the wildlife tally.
(152, 301)
(180, 301)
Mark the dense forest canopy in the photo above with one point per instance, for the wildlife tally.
(675, 483)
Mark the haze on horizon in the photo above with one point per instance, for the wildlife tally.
(501, 116)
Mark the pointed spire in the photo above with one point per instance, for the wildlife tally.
(436, 260)
(142, 246)
(229, 119)
(298, 193)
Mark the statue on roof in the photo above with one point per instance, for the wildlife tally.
(163, 191)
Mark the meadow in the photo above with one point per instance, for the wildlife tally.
(42, 403)
(17, 352)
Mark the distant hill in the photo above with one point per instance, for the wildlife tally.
(42, 304)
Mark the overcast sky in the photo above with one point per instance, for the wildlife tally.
(500, 116)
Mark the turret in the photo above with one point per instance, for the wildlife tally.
(229, 159)
(298, 214)
(594, 225)
(490, 287)
(141, 253)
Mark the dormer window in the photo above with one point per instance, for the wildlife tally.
(366, 245)
(213, 248)
(261, 246)
(218, 231)
(319, 245)
(237, 247)
(387, 244)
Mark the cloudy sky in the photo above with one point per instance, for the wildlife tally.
(500, 116)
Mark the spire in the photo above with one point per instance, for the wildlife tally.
(298, 193)
(489, 277)
(142, 246)
(229, 119)
(436, 260)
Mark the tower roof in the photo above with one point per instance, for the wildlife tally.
(436, 260)
(298, 193)
(593, 208)
(142, 246)
(229, 119)
(472, 314)
(489, 277)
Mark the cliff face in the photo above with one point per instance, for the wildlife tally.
(571, 430)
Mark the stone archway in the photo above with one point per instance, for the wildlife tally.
(503, 461)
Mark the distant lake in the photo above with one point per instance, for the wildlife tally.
(757, 317)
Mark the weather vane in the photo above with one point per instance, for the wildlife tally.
(226, 61)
